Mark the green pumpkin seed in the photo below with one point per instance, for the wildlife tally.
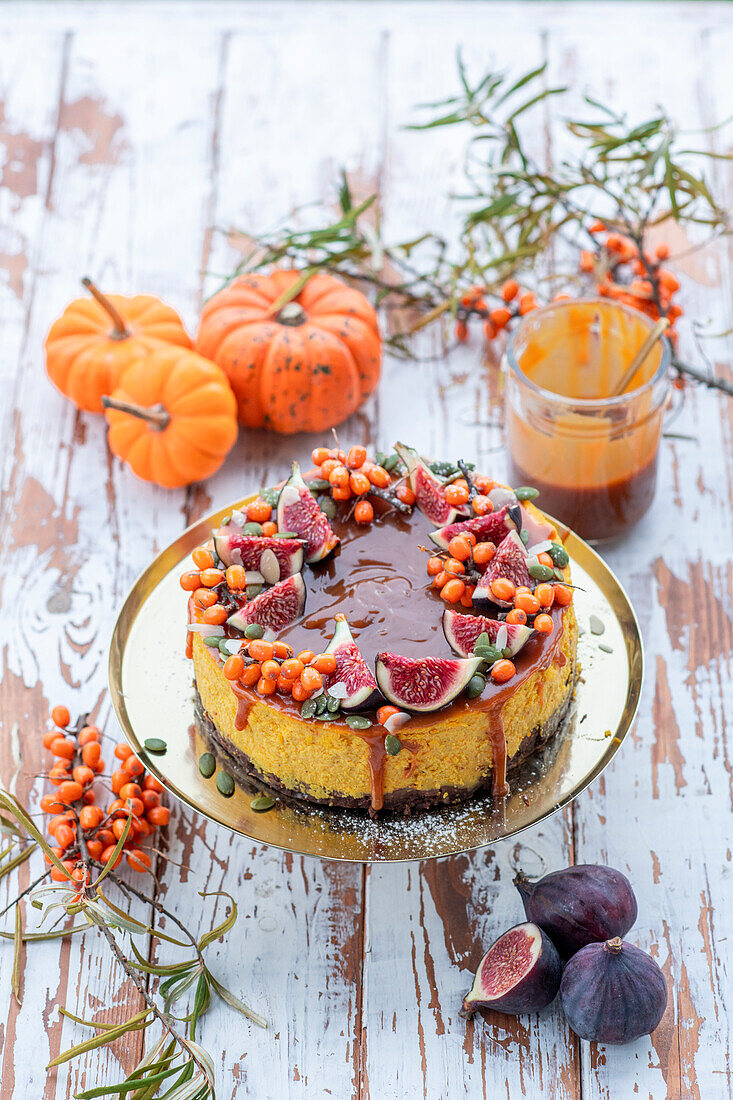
(318, 484)
(333, 705)
(487, 652)
(328, 507)
(252, 529)
(558, 574)
(226, 521)
(475, 686)
(207, 764)
(380, 458)
(321, 704)
(253, 590)
(270, 495)
(390, 462)
(285, 535)
(262, 802)
(392, 745)
(225, 784)
(483, 639)
(526, 492)
(214, 641)
(156, 745)
(540, 572)
(357, 722)
(559, 555)
(524, 536)
(308, 708)
(325, 716)
(223, 647)
(254, 630)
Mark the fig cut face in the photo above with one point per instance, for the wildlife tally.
(275, 608)
(428, 489)
(299, 514)
(520, 972)
(423, 683)
(358, 688)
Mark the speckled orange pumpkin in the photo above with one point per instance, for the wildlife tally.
(302, 366)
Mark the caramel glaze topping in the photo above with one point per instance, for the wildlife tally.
(377, 578)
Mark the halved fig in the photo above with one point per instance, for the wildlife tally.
(299, 514)
(521, 972)
(428, 488)
(423, 683)
(493, 527)
(537, 530)
(276, 559)
(275, 608)
(461, 632)
(352, 672)
(509, 561)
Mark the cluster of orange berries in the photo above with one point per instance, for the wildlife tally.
(73, 805)
(458, 493)
(450, 573)
(203, 581)
(272, 666)
(615, 252)
(516, 303)
(351, 475)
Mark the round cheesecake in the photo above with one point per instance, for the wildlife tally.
(375, 580)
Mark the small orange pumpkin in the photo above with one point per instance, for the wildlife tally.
(173, 418)
(304, 365)
(95, 339)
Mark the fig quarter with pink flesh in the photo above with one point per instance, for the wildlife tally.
(520, 972)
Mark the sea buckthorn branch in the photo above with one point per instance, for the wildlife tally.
(90, 843)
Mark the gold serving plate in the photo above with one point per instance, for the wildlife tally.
(152, 692)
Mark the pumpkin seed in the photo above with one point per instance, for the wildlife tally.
(328, 507)
(318, 484)
(308, 708)
(390, 462)
(223, 647)
(226, 521)
(526, 492)
(270, 495)
(207, 764)
(487, 652)
(357, 722)
(524, 536)
(541, 572)
(392, 745)
(333, 705)
(325, 716)
(483, 639)
(558, 575)
(225, 784)
(475, 686)
(252, 529)
(597, 626)
(559, 555)
(155, 744)
(254, 630)
(605, 647)
(214, 641)
(253, 590)
(380, 458)
(321, 704)
(285, 535)
(262, 802)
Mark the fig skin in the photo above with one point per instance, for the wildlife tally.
(579, 905)
(536, 988)
(613, 992)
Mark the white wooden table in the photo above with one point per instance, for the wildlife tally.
(129, 133)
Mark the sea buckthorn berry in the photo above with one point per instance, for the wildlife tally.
(324, 663)
(63, 747)
(65, 836)
(60, 715)
(435, 566)
(385, 713)
(339, 477)
(525, 601)
(49, 737)
(122, 751)
(527, 303)
(88, 735)
(510, 290)
(489, 331)
(107, 854)
(119, 778)
(483, 484)
(299, 692)
(233, 667)
(668, 281)
(83, 774)
(453, 590)
(563, 595)
(500, 317)
(259, 510)
(319, 455)
(459, 548)
(662, 251)
(356, 457)
(502, 671)
(363, 513)
(467, 597)
(51, 805)
(56, 851)
(292, 668)
(281, 650)
(189, 582)
(270, 670)
(150, 783)
(545, 559)
(130, 790)
(211, 577)
(159, 815)
(95, 848)
(88, 797)
(269, 528)
(482, 505)
(60, 819)
(461, 332)
(260, 650)
(150, 799)
(91, 816)
(133, 766)
(266, 687)
(118, 827)
(98, 767)
(58, 775)
(545, 594)
(106, 836)
(440, 579)
(359, 484)
(205, 597)
(454, 566)
(284, 685)
(503, 588)
(377, 475)
(328, 467)
(311, 679)
(216, 615)
(517, 617)
(341, 492)
(405, 494)
(202, 558)
(456, 494)
(544, 624)
(306, 655)
(59, 876)
(69, 791)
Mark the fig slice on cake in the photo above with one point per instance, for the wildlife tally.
(423, 684)
(351, 682)
(428, 489)
(463, 631)
(275, 558)
(275, 608)
(510, 561)
(493, 527)
(298, 514)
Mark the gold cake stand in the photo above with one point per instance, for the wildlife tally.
(151, 688)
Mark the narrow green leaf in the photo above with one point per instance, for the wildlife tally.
(17, 955)
(234, 1002)
(202, 1000)
(57, 935)
(226, 924)
(86, 1023)
(11, 804)
(135, 1023)
(110, 864)
(124, 1087)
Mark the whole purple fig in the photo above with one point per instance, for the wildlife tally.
(579, 905)
(519, 973)
(613, 992)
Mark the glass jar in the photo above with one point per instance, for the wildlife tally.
(592, 456)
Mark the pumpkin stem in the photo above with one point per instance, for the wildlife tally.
(157, 416)
(291, 314)
(120, 330)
